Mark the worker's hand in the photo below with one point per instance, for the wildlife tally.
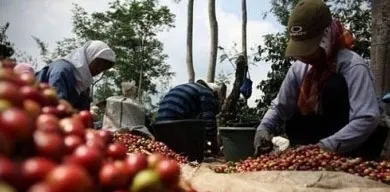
(323, 147)
(280, 143)
(263, 142)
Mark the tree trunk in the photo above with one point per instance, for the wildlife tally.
(380, 45)
(244, 31)
(189, 59)
(229, 108)
(213, 42)
(142, 70)
(140, 84)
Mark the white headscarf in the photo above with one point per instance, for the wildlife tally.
(82, 57)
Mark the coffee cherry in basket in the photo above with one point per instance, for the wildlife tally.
(16, 124)
(51, 110)
(10, 91)
(32, 108)
(41, 187)
(50, 96)
(49, 145)
(64, 108)
(136, 162)
(36, 169)
(4, 105)
(116, 151)
(6, 145)
(146, 180)
(154, 159)
(48, 123)
(86, 118)
(111, 176)
(72, 142)
(106, 135)
(33, 94)
(6, 188)
(169, 172)
(8, 171)
(69, 178)
(72, 126)
(89, 158)
(97, 142)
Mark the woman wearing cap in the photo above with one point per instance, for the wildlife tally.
(73, 74)
(327, 97)
(198, 100)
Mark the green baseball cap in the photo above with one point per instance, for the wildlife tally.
(306, 27)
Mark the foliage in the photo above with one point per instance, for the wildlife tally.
(22, 56)
(245, 113)
(223, 78)
(232, 54)
(105, 88)
(43, 48)
(65, 46)
(356, 16)
(272, 51)
(8, 50)
(130, 27)
(6, 47)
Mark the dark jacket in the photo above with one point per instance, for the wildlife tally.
(59, 74)
(189, 101)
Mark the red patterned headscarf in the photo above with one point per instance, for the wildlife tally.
(336, 37)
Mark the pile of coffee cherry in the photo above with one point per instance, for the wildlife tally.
(47, 145)
(139, 144)
(310, 158)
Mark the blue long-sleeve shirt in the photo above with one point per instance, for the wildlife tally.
(364, 110)
(189, 101)
(59, 74)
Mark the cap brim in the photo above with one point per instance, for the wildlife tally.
(302, 48)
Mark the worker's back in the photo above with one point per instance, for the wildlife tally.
(187, 101)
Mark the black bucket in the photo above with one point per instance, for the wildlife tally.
(186, 137)
(237, 142)
(251, 123)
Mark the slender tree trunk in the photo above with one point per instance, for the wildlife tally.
(229, 108)
(140, 84)
(213, 42)
(189, 59)
(141, 71)
(244, 31)
(380, 45)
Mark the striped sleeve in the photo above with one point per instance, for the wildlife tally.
(209, 110)
(178, 103)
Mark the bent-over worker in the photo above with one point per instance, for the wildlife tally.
(327, 97)
(73, 75)
(198, 100)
